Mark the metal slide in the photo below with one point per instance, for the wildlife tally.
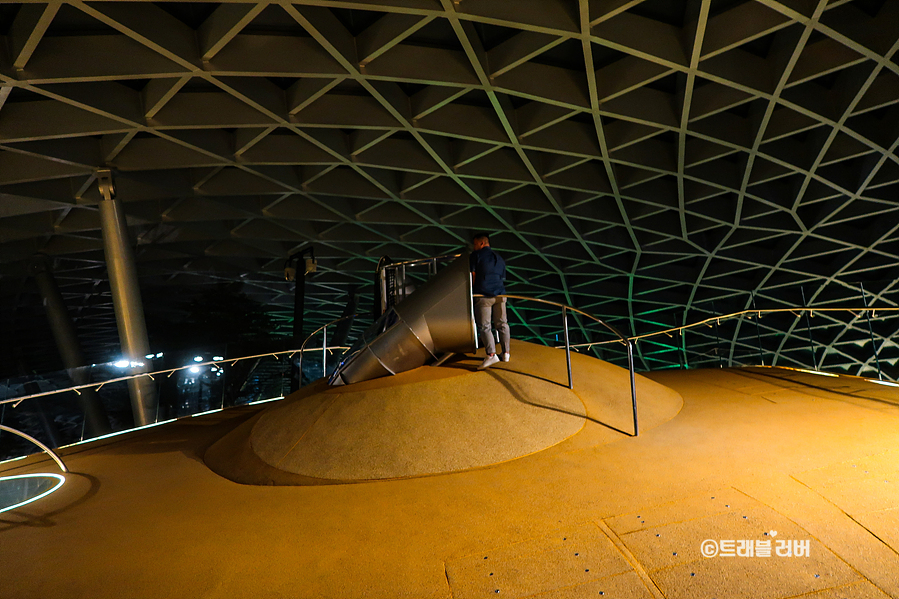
(436, 319)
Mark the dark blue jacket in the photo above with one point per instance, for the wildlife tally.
(490, 272)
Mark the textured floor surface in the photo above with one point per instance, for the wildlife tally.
(754, 456)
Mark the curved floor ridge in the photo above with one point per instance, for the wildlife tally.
(452, 418)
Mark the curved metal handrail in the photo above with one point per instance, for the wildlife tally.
(46, 449)
(757, 312)
(324, 345)
(621, 339)
(15, 401)
(621, 336)
(168, 372)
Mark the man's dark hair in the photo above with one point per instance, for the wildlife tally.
(481, 236)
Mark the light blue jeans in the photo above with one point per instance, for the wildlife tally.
(487, 310)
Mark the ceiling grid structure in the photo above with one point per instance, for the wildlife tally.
(649, 161)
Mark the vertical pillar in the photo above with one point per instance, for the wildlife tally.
(96, 421)
(129, 310)
(299, 306)
(325, 352)
(299, 314)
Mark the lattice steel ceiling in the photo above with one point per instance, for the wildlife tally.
(648, 161)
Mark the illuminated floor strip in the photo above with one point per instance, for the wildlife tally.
(818, 372)
(21, 457)
(887, 383)
(206, 412)
(117, 433)
(60, 478)
(253, 403)
(146, 426)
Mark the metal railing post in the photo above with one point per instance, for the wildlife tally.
(324, 328)
(758, 335)
(718, 338)
(616, 332)
(567, 347)
(630, 367)
(808, 328)
(871, 331)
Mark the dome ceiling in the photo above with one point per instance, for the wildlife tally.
(651, 162)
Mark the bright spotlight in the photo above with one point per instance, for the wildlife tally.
(150, 356)
(194, 369)
(159, 355)
(218, 358)
(122, 364)
(198, 358)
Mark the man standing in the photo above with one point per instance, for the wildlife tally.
(488, 271)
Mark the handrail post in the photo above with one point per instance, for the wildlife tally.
(871, 332)
(808, 328)
(758, 335)
(567, 346)
(630, 367)
(325, 351)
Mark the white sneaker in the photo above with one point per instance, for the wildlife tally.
(505, 357)
(488, 362)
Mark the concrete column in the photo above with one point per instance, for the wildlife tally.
(96, 421)
(129, 310)
(298, 273)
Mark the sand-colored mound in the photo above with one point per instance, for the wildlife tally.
(437, 419)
